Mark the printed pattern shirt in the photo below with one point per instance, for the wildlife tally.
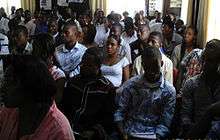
(144, 107)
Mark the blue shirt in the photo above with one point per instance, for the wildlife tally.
(144, 107)
(69, 60)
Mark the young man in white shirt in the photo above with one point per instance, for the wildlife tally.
(69, 54)
(155, 39)
(29, 23)
(21, 46)
(3, 24)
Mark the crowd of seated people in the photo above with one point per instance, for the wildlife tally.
(95, 77)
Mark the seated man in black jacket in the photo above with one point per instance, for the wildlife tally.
(88, 99)
(137, 46)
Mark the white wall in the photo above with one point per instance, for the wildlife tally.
(131, 6)
(213, 20)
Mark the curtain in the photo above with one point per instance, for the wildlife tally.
(28, 5)
(202, 22)
(189, 13)
(95, 4)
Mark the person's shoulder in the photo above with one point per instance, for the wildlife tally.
(177, 35)
(196, 51)
(81, 47)
(131, 83)
(5, 19)
(123, 60)
(105, 84)
(57, 124)
(193, 82)
(166, 59)
(138, 60)
(178, 38)
(5, 112)
(178, 47)
(195, 78)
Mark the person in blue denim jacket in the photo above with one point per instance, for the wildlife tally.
(146, 103)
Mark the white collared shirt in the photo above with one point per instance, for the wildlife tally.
(69, 59)
(28, 49)
(4, 25)
(167, 68)
(3, 44)
(127, 39)
(31, 26)
(125, 50)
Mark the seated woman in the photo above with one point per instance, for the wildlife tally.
(181, 51)
(88, 98)
(44, 48)
(115, 68)
(30, 112)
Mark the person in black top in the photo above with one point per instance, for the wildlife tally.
(88, 98)
(137, 46)
(53, 30)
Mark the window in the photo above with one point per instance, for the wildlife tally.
(6, 4)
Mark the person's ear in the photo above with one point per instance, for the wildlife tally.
(78, 34)
(162, 63)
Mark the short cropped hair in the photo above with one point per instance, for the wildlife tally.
(43, 46)
(35, 81)
(117, 38)
(167, 21)
(212, 48)
(72, 23)
(157, 34)
(91, 33)
(20, 29)
(151, 52)
(96, 53)
(50, 21)
(117, 24)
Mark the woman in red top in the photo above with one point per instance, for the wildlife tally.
(30, 112)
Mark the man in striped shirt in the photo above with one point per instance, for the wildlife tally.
(69, 55)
